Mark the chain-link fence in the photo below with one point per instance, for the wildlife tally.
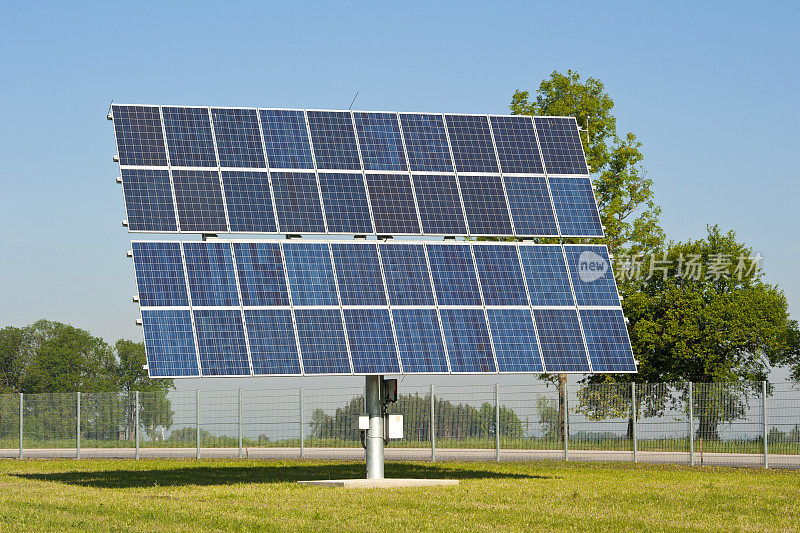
(736, 424)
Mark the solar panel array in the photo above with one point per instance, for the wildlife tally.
(269, 171)
(240, 308)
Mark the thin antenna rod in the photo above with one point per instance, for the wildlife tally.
(353, 102)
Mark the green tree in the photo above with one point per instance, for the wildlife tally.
(11, 341)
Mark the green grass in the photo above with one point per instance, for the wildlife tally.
(175, 495)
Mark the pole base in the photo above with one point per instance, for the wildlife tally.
(381, 483)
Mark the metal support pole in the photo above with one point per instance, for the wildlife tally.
(197, 421)
(691, 426)
(374, 449)
(764, 422)
(136, 423)
(433, 425)
(565, 414)
(302, 424)
(634, 417)
(78, 428)
(20, 423)
(239, 422)
(496, 423)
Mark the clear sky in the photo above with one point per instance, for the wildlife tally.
(710, 88)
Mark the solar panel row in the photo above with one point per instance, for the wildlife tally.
(272, 308)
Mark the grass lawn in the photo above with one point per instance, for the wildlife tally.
(185, 495)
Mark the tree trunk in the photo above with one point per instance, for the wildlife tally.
(708, 429)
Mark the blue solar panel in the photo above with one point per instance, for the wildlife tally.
(148, 200)
(500, 275)
(286, 139)
(199, 198)
(467, 338)
(380, 141)
(249, 202)
(420, 340)
(514, 339)
(607, 339)
(392, 203)
(273, 347)
(369, 332)
(530, 205)
(561, 340)
(322, 342)
(439, 204)
(140, 140)
(454, 275)
(471, 140)
(561, 145)
(221, 342)
(517, 150)
(159, 274)
(169, 343)
(546, 273)
(426, 143)
(345, 199)
(485, 205)
(297, 202)
(406, 272)
(238, 138)
(209, 266)
(260, 270)
(576, 208)
(310, 274)
(334, 140)
(189, 137)
(358, 272)
(592, 276)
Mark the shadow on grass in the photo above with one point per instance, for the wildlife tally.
(229, 475)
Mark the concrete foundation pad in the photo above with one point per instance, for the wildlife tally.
(381, 483)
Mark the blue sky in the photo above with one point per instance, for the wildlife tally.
(710, 88)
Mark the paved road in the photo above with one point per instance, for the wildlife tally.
(415, 454)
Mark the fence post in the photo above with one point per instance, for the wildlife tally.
(433, 426)
(496, 422)
(302, 425)
(197, 421)
(633, 414)
(764, 422)
(20, 423)
(136, 422)
(239, 423)
(565, 414)
(78, 428)
(691, 425)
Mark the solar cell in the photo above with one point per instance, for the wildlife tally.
(380, 141)
(334, 140)
(514, 340)
(345, 201)
(561, 145)
(297, 202)
(468, 345)
(406, 272)
(592, 276)
(259, 267)
(199, 198)
(426, 142)
(546, 274)
(238, 138)
(369, 332)
(322, 342)
(169, 343)
(515, 138)
(209, 267)
(140, 139)
(148, 200)
(310, 273)
(530, 205)
(420, 340)
(358, 273)
(159, 274)
(273, 347)
(189, 137)
(561, 340)
(500, 275)
(392, 203)
(439, 204)
(607, 340)
(485, 205)
(249, 202)
(576, 208)
(286, 139)
(471, 140)
(221, 342)
(453, 275)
